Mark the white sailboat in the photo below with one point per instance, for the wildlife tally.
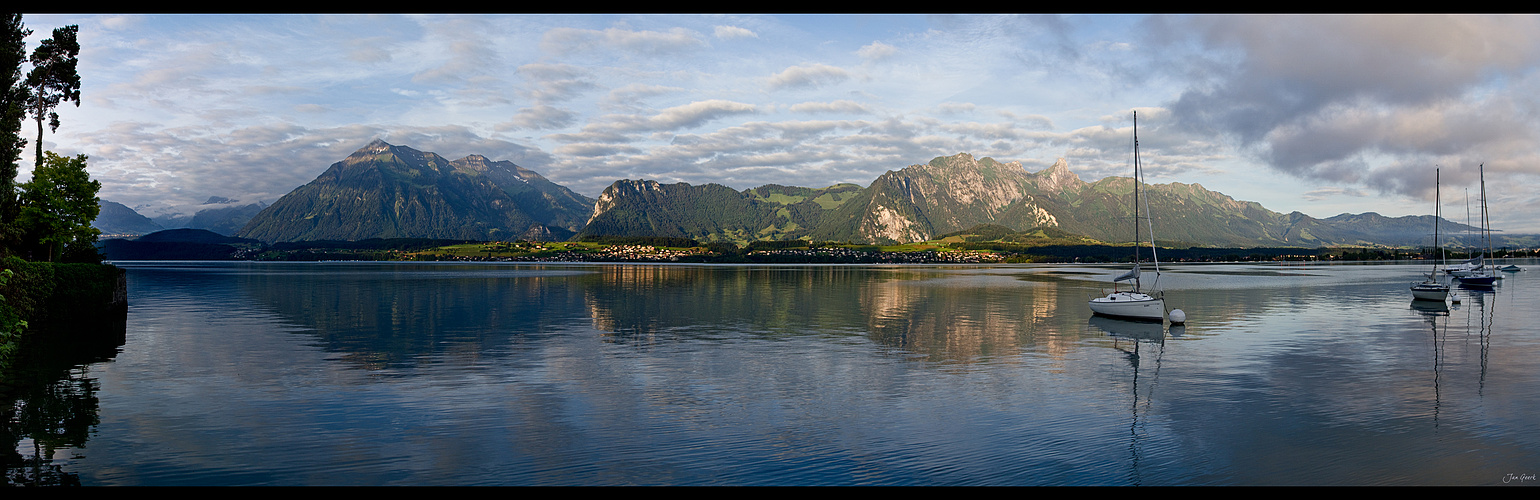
(1134, 303)
(1465, 268)
(1431, 288)
(1484, 275)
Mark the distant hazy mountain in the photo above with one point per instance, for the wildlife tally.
(385, 191)
(219, 214)
(226, 220)
(117, 220)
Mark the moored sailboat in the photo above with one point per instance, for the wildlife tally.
(1483, 275)
(1134, 303)
(1431, 288)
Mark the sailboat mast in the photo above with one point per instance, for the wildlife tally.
(1486, 220)
(1136, 199)
(1150, 225)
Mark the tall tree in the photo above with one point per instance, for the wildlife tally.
(59, 203)
(53, 79)
(13, 108)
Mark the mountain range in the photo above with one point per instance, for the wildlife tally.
(387, 191)
(954, 193)
(218, 214)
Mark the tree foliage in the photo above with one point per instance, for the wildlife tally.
(11, 325)
(54, 79)
(13, 108)
(59, 204)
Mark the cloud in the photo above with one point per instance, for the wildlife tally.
(696, 113)
(629, 98)
(811, 75)
(1363, 100)
(1037, 122)
(592, 149)
(471, 51)
(555, 82)
(987, 130)
(541, 117)
(840, 106)
(1331, 192)
(614, 128)
(731, 32)
(877, 51)
(119, 22)
(369, 50)
(952, 108)
(565, 41)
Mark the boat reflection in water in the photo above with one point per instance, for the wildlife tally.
(1143, 344)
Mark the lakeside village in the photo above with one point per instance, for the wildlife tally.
(625, 249)
(682, 250)
(548, 252)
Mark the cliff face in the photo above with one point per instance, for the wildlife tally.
(950, 194)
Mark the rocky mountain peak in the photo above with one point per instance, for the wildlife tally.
(1058, 177)
(473, 163)
(951, 162)
(376, 147)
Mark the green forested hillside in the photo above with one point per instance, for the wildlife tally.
(712, 212)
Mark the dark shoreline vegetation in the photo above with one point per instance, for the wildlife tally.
(42, 301)
(963, 247)
(57, 317)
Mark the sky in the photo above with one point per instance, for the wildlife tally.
(1321, 114)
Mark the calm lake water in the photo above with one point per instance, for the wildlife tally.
(591, 374)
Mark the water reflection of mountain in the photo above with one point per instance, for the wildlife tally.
(940, 313)
(634, 301)
(956, 319)
(386, 314)
(381, 314)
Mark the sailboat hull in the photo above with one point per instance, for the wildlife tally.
(1430, 291)
(1479, 280)
(1128, 305)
